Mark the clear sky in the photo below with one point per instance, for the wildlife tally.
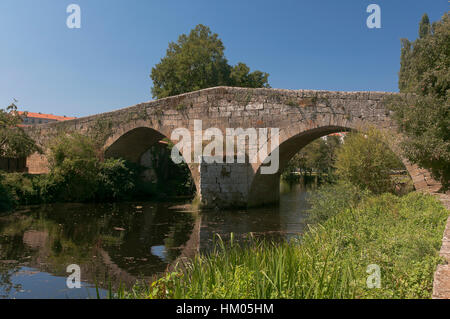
(105, 65)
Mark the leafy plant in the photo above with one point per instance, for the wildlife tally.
(7, 201)
(74, 167)
(331, 199)
(366, 161)
(14, 142)
(117, 180)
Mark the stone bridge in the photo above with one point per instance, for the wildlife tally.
(300, 115)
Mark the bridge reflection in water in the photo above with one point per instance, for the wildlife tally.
(120, 243)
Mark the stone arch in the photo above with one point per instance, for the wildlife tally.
(264, 189)
(132, 142)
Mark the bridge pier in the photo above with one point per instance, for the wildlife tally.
(224, 184)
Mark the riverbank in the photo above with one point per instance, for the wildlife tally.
(399, 236)
(441, 282)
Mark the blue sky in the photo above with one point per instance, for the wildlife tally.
(105, 65)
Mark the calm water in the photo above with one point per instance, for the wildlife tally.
(123, 242)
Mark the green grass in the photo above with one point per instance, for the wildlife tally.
(402, 235)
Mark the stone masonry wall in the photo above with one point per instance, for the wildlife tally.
(223, 185)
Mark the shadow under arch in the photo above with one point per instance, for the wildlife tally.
(133, 143)
(265, 188)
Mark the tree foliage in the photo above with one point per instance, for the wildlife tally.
(365, 160)
(117, 180)
(197, 61)
(6, 196)
(73, 167)
(424, 26)
(14, 142)
(423, 116)
(241, 76)
(318, 156)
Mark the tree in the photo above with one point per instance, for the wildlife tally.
(14, 142)
(318, 156)
(241, 76)
(424, 26)
(74, 168)
(423, 116)
(197, 61)
(365, 160)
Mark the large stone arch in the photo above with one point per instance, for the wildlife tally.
(264, 188)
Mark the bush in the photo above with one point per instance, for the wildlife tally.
(74, 168)
(75, 180)
(330, 199)
(21, 187)
(74, 146)
(7, 200)
(366, 161)
(117, 180)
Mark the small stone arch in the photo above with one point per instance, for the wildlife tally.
(132, 142)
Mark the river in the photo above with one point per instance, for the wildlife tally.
(123, 242)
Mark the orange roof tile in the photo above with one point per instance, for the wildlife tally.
(47, 116)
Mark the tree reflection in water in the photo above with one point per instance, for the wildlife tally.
(111, 243)
(120, 243)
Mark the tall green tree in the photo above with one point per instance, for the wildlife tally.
(197, 61)
(424, 26)
(424, 116)
(14, 142)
